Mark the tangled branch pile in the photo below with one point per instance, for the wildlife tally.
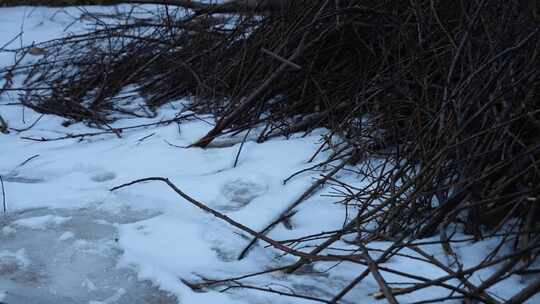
(436, 105)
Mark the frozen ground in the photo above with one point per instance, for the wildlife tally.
(67, 239)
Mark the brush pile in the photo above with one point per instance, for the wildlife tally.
(436, 105)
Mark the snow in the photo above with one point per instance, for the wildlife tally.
(66, 236)
(41, 222)
(67, 239)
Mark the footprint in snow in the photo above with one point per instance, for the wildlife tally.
(103, 177)
(240, 192)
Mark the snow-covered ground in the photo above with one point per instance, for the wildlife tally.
(67, 239)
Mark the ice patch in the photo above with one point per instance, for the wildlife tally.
(42, 222)
(113, 299)
(39, 266)
(18, 258)
(89, 284)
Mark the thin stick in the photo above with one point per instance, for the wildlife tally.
(3, 194)
(284, 214)
(284, 60)
(240, 148)
(374, 269)
(236, 224)
(27, 160)
(526, 293)
(3, 125)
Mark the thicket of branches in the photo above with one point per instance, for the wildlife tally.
(435, 104)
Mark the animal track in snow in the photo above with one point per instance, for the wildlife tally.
(103, 177)
(240, 192)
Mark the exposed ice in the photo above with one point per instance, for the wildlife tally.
(68, 256)
(8, 230)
